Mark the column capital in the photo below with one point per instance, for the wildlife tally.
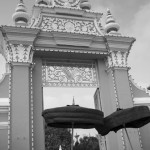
(117, 59)
(19, 53)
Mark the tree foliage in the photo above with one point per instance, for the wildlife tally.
(87, 143)
(54, 137)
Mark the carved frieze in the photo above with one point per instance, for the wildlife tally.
(69, 75)
(68, 25)
(67, 3)
(19, 53)
(117, 59)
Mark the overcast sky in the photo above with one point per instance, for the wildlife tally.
(134, 19)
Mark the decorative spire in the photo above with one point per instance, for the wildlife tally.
(21, 17)
(76, 136)
(111, 25)
(60, 147)
(42, 2)
(84, 4)
(73, 102)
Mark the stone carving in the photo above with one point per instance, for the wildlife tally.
(67, 3)
(117, 59)
(19, 53)
(70, 75)
(68, 25)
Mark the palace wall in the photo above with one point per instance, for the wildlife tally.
(4, 106)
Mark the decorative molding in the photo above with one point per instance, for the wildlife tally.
(117, 59)
(98, 26)
(115, 89)
(68, 25)
(31, 107)
(9, 108)
(36, 21)
(72, 51)
(19, 53)
(69, 75)
(140, 139)
(67, 3)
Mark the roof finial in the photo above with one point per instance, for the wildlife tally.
(42, 2)
(21, 17)
(111, 25)
(108, 11)
(84, 4)
(73, 102)
(76, 136)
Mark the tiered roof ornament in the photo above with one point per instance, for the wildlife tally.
(111, 26)
(84, 4)
(43, 2)
(21, 17)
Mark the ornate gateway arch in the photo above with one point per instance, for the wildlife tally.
(65, 45)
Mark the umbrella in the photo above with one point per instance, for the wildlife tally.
(73, 116)
(80, 117)
(134, 117)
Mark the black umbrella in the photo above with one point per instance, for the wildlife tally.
(134, 117)
(73, 116)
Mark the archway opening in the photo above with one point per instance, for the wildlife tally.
(59, 97)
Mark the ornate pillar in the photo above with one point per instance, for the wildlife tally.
(116, 93)
(118, 68)
(38, 125)
(20, 135)
(108, 103)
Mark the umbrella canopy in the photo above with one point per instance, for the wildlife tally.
(134, 117)
(79, 117)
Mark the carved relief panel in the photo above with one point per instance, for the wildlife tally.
(67, 3)
(68, 25)
(69, 74)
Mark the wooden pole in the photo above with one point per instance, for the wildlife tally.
(72, 136)
(127, 136)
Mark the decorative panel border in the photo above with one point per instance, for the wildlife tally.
(69, 74)
(50, 23)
